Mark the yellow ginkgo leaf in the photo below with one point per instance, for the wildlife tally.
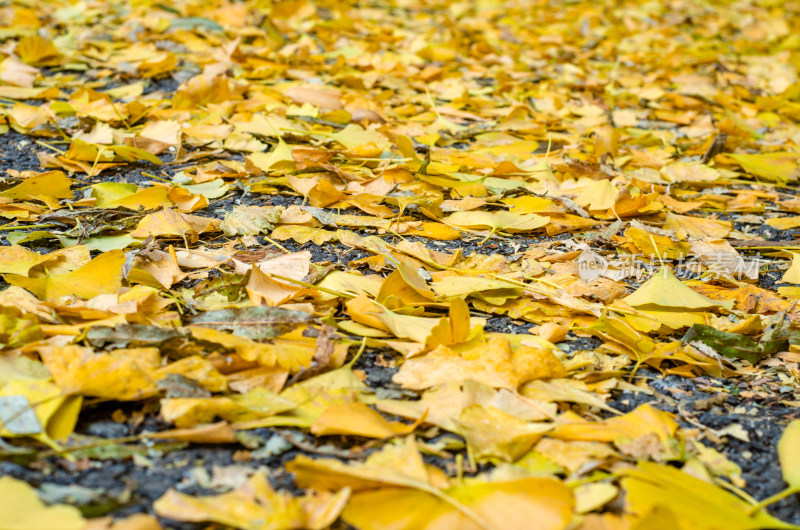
(493, 434)
(165, 131)
(792, 274)
(779, 167)
(46, 187)
(789, 456)
(784, 223)
(397, 464)
(258, 403)
(124, 374)
(492, 363)
(655, 245)
(643, 421)
(354, 136)
(694, 503)
(357, 419)
(37, 51)
(599, 195)
(102, 275)
(497, 221)
(522, 504)
(697, 227)
(118, 194)
(169, 223)
(663, 289)
(256, 506)
(442, 405)
(39, 409)
(279, 158)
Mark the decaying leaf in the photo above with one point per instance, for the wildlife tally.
(736, 345)
(249, 220)
(255, 323)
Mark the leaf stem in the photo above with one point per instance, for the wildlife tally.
(307, 285)
(736, 491)
(56, 149)
(269, 240)
(9, 228)
(774, 498)
(150, 175)
(465, 510)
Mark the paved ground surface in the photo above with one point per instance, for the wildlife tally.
(567, 105)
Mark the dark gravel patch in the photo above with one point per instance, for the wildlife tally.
(165, 84)
(18, 151)
(504, 324)
(378, 367)
(763, 422)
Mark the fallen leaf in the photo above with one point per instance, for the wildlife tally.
(663, 289)
(357, 419)
(506, 505)
(252, 322)
(735, 345)
(24, 510)
(493, 434)
(787, 454)
(102, 275)
(493, 364)
(497, 221)
(780, 167)
(692, 502)
(250, 220)
(39, 409)
(169, 223)
(255, 506)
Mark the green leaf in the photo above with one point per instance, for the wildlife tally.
(107, 192)
(735, 345)
(213, 189)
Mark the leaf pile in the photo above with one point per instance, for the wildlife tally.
(233, 204)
